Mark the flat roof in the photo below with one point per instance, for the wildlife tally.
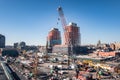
(86, 56)
(93, 58)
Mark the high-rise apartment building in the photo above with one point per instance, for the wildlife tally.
(2, 41)
(72, 35)
(53, 37)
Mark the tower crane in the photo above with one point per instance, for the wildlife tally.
(66, 33)
(63, 21)
(62, 18)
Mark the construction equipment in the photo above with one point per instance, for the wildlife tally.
(117, 69)
(66, 33)
(87, 61)
(62, 18)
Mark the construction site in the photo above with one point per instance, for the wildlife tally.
(71, 40)
(60, 62)
(39, 66)
(63, 60)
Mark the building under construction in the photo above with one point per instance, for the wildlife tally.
(72, 35)
(71, 38)
(53, 38)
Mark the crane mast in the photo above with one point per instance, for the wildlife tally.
(62, 18)
(63, 22)
(66, 33)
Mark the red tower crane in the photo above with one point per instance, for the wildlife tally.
(62, 18)
(63, 21)
(66, 33)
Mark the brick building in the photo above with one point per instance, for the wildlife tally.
(72, 34)
(105, 54)
(54, 37)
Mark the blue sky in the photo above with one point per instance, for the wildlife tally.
(30, 20)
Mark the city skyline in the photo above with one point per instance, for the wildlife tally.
(30, 21)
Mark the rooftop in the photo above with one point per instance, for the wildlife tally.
(72, 24)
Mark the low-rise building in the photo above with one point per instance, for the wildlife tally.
(112, 53)
(112, 46)
(20, 45)
(60, 49)
(115, 46)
